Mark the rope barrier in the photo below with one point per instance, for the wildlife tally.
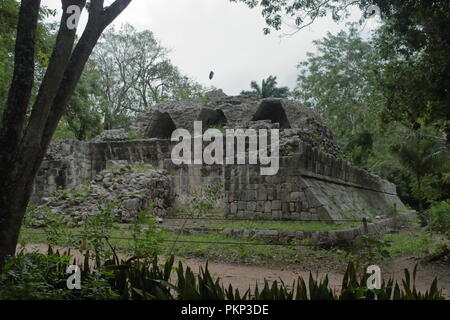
(204, 242)
(186, 218)
(254, 220)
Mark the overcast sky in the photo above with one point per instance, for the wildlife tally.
(226, 37)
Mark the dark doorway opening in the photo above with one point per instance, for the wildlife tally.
(161, 126)
(273, 111)
(211, 118)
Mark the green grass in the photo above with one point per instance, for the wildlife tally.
(238, 250)
(252, 251)
(241, 251)
(282, 225)
(412, 243)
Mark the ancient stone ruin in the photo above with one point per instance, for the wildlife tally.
(313, 182)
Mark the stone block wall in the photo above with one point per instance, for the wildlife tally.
(152, 152)
(70, 163)
(67, 165)
(310, 185)
(187, 179)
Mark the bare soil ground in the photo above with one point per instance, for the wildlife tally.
(243, 277)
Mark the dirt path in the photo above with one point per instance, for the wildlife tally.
(243, 277)
(426, 272)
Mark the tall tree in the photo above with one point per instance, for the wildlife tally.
(339, 81)
(25, 134)
(8, 20)
(422, 154)
(415, 32)
(135, 73)
(83, 115)
(9, 11)
(268, 89)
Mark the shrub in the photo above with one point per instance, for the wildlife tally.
(149, 281)
(36, 276)
(146, 235)
(439, 212)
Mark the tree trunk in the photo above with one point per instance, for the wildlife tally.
(13, 204)
(13, 201)
(22, 153)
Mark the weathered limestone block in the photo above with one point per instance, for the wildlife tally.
(112, 135)
(251, 206)
(276, 205)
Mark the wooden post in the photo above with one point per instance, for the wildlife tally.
(365, 227)
(366, 234)
(84, 244)
(395, 216)
(430, 223)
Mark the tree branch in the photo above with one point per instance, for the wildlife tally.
(22, 82)
(111, 12)
(53, 77)
(97, 22)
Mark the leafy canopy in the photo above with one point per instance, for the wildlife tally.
(268, 89)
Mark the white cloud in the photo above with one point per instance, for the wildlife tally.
(226, 37)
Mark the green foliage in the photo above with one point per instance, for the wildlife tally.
(95, 232)
(367, 249)
(413, 74)
(287, 149)
(97, 229)
(134, 73)
(301, 13)
(132, 135)
(35, 276)
(415, 62)
(342, 82)
(136, 279)
(55, 230)
(204, 99)
(268, 89)
(146, 236)
(83, 115)
(38, 276)
(63, 131)
(29, 215)
(373, 93)
(422, 155)
(338, 81)
(128, 72)
(281, 225)
(410, 244)
(439, 212)
(8, 21)
(9, 12)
